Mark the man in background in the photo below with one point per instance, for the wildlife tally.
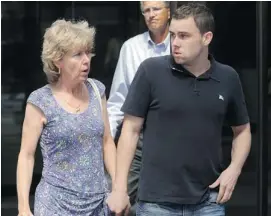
(154, 42)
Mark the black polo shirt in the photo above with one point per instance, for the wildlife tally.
(183, 116)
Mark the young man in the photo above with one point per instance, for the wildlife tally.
(182, 100)
(155, 42)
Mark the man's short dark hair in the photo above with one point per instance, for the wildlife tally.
(202, 15)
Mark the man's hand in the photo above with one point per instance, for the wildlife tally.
(118, 202)
(226, 181)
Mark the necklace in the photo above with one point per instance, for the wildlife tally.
(77, 108)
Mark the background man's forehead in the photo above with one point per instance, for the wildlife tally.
(153, 3)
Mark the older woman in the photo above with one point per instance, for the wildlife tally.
(72, 125)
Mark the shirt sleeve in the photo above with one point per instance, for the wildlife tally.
(139, 96)
(40, 99)
(119, 90)
(237, 111)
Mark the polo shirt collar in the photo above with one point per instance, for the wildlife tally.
(210, 73)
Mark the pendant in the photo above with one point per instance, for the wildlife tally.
(77, 110)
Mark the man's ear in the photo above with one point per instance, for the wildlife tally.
(207, 38)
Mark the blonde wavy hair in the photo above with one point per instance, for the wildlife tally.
(61, 37)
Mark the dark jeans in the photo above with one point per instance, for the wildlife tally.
(208, 207)
(133, 177)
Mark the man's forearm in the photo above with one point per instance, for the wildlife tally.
(240, 148)
(125, 154)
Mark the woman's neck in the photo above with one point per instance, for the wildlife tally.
(69, 87)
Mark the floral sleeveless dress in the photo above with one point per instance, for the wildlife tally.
(73, 179)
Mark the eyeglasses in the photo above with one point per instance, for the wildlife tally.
(155, 10)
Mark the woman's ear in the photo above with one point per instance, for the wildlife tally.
(58, 64)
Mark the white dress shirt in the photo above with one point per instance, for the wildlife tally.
(132, 53)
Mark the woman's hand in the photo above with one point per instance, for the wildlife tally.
(25, 213)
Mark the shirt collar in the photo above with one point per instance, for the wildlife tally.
(210, 73)
(165, 43)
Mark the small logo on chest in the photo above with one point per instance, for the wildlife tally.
(220, 97)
